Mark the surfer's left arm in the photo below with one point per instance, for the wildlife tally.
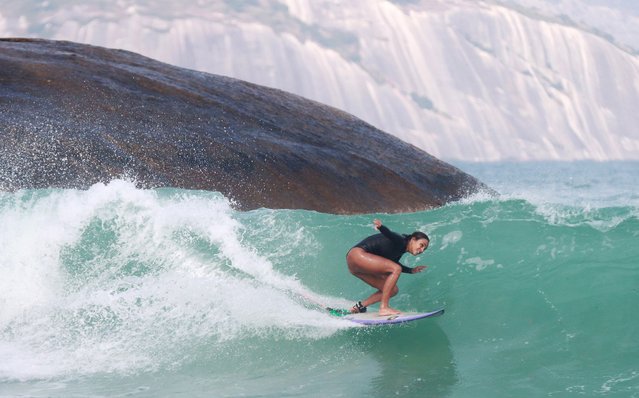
(409, 270)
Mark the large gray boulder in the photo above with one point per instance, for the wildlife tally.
(72, 115)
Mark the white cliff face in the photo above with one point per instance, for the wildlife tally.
(460, 79)
(618, 24)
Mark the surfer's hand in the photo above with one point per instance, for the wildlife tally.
(419, 269)
(377, 223)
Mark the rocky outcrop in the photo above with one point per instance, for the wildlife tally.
(72, 115)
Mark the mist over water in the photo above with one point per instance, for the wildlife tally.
(117, 290)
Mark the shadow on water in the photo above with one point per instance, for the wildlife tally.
(415, 360)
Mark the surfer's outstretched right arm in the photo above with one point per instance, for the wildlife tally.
(395, 237)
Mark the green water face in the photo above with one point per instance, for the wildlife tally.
(539, 300)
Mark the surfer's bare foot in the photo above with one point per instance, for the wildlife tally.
(388, 311)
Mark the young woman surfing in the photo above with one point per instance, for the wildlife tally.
(375, 260)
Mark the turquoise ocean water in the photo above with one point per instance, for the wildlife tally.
(118, 291)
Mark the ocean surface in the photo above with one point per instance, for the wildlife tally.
(119, 291)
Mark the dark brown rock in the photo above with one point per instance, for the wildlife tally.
(72, 115)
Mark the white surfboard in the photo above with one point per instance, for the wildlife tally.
(373, 318)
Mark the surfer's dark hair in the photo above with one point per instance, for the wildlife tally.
(418, 235)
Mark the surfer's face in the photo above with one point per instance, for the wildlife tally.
(417, 246)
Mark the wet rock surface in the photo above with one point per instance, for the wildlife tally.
(72, 115)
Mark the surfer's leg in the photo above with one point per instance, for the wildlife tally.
(378, 272)
(377, 283)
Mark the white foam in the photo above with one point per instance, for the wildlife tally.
(118, 279)
(451, 238)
